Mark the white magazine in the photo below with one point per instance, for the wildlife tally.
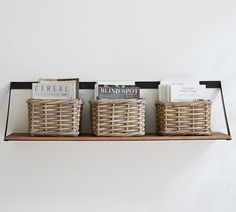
(54, 90)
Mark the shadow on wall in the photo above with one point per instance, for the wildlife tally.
(113, 164)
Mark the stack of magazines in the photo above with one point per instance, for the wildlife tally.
(56, 89)
(116, 90)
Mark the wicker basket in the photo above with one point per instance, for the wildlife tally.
(54, 117)
(121, 117)
(184, 118)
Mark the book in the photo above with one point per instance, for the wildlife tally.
(66, 80)
(117, 92)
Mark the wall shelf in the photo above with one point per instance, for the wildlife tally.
(88, 137)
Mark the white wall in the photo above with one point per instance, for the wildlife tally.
(125, 39)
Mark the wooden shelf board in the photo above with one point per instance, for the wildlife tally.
(89, 137)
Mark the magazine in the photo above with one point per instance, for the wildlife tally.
(116, 90)
(56, 89)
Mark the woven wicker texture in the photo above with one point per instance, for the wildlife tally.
(121, 117)
(184, 118)
(54, 117)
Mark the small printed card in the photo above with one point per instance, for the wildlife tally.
(178, 90)
(187, 93)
